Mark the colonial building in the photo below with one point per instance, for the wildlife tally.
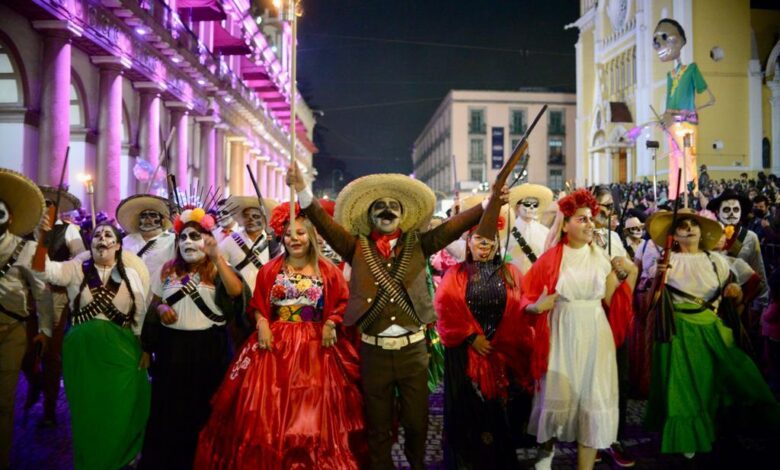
(472, 134)
(114, 79)
(619, 77)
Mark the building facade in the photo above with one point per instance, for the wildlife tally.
(619, 77)
(113, 80)
(472, 134)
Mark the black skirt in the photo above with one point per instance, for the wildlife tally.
(188, 367)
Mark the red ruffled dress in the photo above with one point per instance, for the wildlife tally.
(297, 406)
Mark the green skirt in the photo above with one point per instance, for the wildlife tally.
(107, 393)
(699, 372)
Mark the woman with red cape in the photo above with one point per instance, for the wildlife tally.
(290, 399)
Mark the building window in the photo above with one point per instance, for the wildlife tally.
(477, 151)
(76, 114)
(476, 173)
(10, 86)
(556, 126)
(517, 123)
(515, 141)
(477, 121)
(555, 179)
(556, 156)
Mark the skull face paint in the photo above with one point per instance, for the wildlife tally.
(5, 219)
(149, 221)
(528, 209)
(191, 245)
(224, 216)
(253, 219)
(104, 245)
(730, 212)
(668, 41)
(385, 214)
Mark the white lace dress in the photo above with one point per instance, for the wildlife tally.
(578, 398)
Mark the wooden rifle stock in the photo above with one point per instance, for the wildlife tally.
(39, 258)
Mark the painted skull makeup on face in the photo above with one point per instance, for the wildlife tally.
(149, 221)
(635, 232)
(667, 41)
(730, 212)
(385, 214)
(253, 219)
(5, 219)
(528, 209)
(224, 216)
(191, 245)
(104, 245)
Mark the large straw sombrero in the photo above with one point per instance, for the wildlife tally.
(658, 226)
(474, 199)
(129, 211)
(542, 193)
(353, 202)
(131, 260)
(238, 203)
(68, 202)
(24, 200)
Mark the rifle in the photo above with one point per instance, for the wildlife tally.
(174, 204)
(487, 224)
(664, 326)
(39, 259)
(259, 196)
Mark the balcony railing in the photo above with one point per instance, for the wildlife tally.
(477, 128)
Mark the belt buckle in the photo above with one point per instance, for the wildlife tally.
(392, 343)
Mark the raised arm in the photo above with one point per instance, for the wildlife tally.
(446, 233)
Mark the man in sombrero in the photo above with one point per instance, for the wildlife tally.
(377, 229)
(64, 242)
(250, 247)
(146, 220)
(528, 234)
(21, 209)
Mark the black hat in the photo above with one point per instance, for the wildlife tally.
(727, 195)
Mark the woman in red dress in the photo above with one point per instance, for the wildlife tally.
(290, 399)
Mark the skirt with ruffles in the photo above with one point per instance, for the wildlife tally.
(295, 407)
(699, 373)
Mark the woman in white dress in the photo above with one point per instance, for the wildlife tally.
(573, 350)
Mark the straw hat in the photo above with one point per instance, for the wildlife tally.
(68, 202)
(658, 226)
(542, 193)
(24, 200)
(129, 211)
(131, 260)
(475, 199)
(238, 203)
(353, 202)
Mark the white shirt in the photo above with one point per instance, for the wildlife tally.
(535, 234)
(71, 275)
(189, 316)
(693, 273)
(163, 250)
(14, 285)
(234, 255)
(219, 232)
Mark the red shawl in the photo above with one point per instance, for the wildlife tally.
(544, 273)
(334, 289)
(456, 323)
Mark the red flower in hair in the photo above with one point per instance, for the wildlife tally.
(576, 200)
(281, 216)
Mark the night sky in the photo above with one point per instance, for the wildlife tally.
(378, 69)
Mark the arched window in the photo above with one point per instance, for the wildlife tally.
(76, 107)
(10, 82)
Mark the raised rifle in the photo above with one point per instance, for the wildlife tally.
(39, 258)
(259, 197)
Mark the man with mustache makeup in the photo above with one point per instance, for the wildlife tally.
(21, 209)
(146, 220)
(249, 248)
(378, 230)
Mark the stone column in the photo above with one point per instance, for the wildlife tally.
(774, 85)
(149, 131)
(236, 183)
(271, 181)
(219, 156)
(284, 191)
(208, 166)
(54, 128)
(179, 164)
(262, 175)
(109, 145)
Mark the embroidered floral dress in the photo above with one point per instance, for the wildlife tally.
(297, 406)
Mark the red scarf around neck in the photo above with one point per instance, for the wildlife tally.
(382, 241)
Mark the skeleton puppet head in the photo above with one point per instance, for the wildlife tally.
(668, 39)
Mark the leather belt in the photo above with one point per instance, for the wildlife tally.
(393, 343)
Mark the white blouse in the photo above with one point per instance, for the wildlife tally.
(694, 273)
(189, 316)
(70, 274)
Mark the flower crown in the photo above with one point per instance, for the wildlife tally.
(576, 200)
(281, 216)
(193, 214)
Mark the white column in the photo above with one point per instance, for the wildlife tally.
(179, 164)
(208, 166)
(149, 132)
(774, 85)
(754, 114)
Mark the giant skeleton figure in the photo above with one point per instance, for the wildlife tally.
(249, 248)
(528, 234)
(146, 220)
(377, 229)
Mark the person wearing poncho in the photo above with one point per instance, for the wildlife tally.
(575, 312)
(291, 397)
(699, 368)
(105, 378)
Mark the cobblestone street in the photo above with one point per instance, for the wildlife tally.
(39, 448)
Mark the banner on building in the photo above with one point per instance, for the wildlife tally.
(497, 146)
